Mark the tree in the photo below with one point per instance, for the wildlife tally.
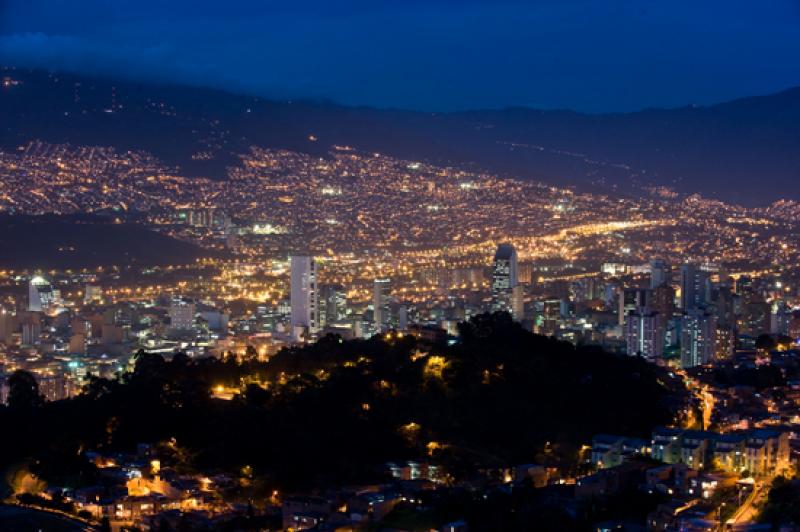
(23, 391)
(765, 342)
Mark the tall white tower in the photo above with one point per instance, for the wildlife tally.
(40, 294)
(381, 298)
(304, 295)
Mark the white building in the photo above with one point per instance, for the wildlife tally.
(304, 296)
(181, 315)
(381, 299)
(40, 294)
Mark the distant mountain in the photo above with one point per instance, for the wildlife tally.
(83, 241)
(745, 151)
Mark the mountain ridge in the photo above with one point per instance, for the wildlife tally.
(743, 151)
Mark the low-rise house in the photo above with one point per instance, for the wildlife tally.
(302, 512)
(610, 451)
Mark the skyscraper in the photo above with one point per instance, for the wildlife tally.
(332, 304)
(181, 315)
(504, 276)
(632, 300)
(381, 298)
(645, 334)
(304, 296)
(698, 338)
(693, 287)
(659, 273)
(518, 302)
(40, 294)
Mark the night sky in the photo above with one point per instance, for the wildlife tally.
(432, 55)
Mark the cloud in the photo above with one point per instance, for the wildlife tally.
(429, 54)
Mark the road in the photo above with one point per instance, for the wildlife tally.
(21, 519)
(748, 510)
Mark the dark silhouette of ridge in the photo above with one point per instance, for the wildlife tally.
(745, 151)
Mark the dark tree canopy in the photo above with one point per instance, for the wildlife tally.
(335, 412)
(23, 391)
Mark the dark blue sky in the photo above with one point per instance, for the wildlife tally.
(433, 55)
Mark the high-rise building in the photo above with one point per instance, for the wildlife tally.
(181, 315)
(518, 302)
(93, 294)
(694, 281)
(632, 300)
(550, 317)
(662, 300)
(645, 334)
(402, 318)
(724, 305)
(40, 294)
(525, 273)
(8, 324)
(333, 304)
(504, 276)
(381, 299)
(794, 327)
(755, 317)
(31, 329)
(304, 295)
(660, 273)
(698, 337)
(726, 342)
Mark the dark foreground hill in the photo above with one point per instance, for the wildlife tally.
(745, 151)
(60, 242)
(336, 412)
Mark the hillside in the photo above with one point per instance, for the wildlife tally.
(58, 242)
(745, 151)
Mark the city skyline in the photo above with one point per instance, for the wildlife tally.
(226, 309)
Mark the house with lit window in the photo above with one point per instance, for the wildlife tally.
(610, 451)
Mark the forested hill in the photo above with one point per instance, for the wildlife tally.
(336, 412)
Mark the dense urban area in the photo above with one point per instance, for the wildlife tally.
(362, 342)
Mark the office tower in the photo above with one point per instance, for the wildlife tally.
(645, 334)
(726, 342)
(504, 276)
(304, 295)
(333, 304)
(402, 318)
(525, 273)
(550, 317)
(40, 294)
(794, 327)
(659, 273)
(8, 324)
(662, 300)
(77, 343)
(31, 329)
(744, 285)
(780, 317)
(693, 287)
(698, 338)
(381, 298)
(93, 294)
(756, 317)
(724, 305)
(631, 300)
(181, 316)
(518, 302)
